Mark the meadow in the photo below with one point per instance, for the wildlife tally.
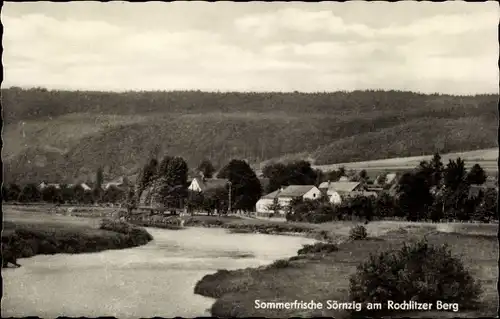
(486, 158)
(325, 276)
(318, 276)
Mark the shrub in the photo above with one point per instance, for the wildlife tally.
(417, 272)
(317, 248)
(280, 263)
(358, 232)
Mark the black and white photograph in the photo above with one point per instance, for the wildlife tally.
(250, 159)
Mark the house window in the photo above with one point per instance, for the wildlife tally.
(314, 195)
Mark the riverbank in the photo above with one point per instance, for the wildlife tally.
(236, 224)
(22, 238)
(324, 275)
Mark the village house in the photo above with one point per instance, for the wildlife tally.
(475, 190)
(201, 184)
(337, 191)
(121, 182)
(284, 196)
(85, 186)
(44, 185)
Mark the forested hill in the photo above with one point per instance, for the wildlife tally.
(63, 135)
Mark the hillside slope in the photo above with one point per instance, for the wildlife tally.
(56, 135)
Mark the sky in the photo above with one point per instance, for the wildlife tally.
(449, 47)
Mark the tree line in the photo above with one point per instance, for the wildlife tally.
(165, 182)
(64, 193)
(431, 192)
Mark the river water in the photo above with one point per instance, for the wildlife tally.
(157, 279)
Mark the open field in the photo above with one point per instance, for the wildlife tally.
(487, 158)
(326, 277)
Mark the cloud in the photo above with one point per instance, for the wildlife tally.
(277, 49)
(306, 21)
(294, 19)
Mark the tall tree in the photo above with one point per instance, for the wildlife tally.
(245, 186)
(277, 174)
(148, 174)
(206, 168)
(130, 201)
(301, 173)
(29, 193)
(114, 195)
(79, 193)
(425, 169)
(414, 197)
(171, 190)
(50, 194)
(194, 201)
(320, 176)
(476, 175)
(163, 166)
(13, 192)
(437, 170)
(99, 178)
(341, 171)
(295, 173)
(454, 174)
(363, 176)
(5, 193)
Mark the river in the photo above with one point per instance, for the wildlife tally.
(157, 279)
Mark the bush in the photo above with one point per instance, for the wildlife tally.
(358, 233)
(417, 272)
(280, 263)
(317, 248)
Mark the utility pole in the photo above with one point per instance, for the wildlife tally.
(230, 189)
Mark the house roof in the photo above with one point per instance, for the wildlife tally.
(340, 186)
(391, 177)
(272, 195)
(289, 191)
(210, 183)
(475, 190)
(368, 193)
(295, 190)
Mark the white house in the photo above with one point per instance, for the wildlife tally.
(334, 197)
(263, 204)
(119, 182)
(200, 184)
(85, 187)
(43, 185)
(336, 191)
(284, 196)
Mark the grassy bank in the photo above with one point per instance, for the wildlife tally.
(237, 224)
(323, 274)
(26, 238)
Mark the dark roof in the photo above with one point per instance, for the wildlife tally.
(295, 190)
(272, 195)
(475, 190)
(340, 186)
(210, 183)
